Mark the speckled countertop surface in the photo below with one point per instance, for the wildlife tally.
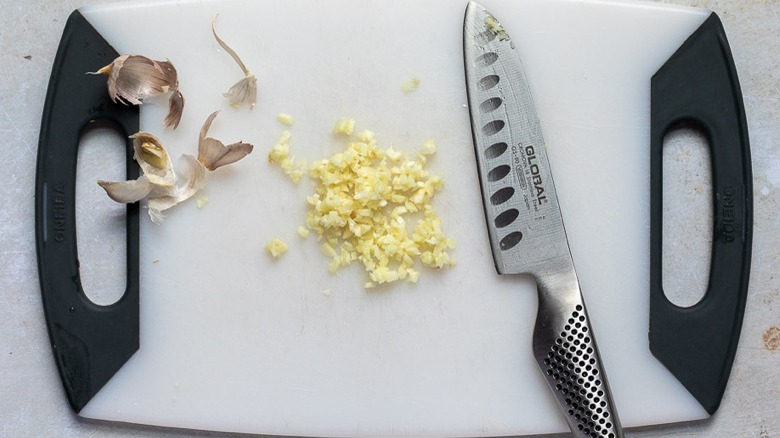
(32, 402)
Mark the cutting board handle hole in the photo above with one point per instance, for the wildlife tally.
(687, 214)
(101, 222)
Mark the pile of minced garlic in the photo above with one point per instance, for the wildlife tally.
(365, 198)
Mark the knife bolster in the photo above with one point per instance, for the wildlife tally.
(565, 349)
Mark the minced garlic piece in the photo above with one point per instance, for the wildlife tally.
(494, 26)
(410, 85)
(361, 205)
(285, 118)
(203, 200)
(280, 154)
(344, 126)
(303, 232)
(429, 148)
(276, 247)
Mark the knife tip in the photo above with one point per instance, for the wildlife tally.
(472, 5)
(473, 10)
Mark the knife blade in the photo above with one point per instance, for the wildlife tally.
(525, 225)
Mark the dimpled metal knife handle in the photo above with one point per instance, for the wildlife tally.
(565, 349)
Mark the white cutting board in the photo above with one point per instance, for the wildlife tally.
(233, 340)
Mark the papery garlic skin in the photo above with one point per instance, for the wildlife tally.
(127, 192)
(133, 78)
(213, 154)
(158, 179)
(243, 92)
(194, 175)
(175, 110)
(159, 183)
(154, 154)
(162, 168)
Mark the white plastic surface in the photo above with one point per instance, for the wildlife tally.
(233, 340)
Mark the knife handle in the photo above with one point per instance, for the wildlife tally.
(565, 349)
(90, 342)
(699, 85)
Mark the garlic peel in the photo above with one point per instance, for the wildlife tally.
(175, 110)
(160, 185)
(243, 92)
(194, 175)
(133, 78)
(159, 182)
(150, 154)
(213, 154)
(127, 192)
(158, 179)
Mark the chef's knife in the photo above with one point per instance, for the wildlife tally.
(524, 222)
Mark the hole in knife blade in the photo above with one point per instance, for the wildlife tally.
(101, 234)
(499, 173)
(488, 82)
(506, 218)
(493, 127)
(496, 150)
(502, 196)
(490, 105)
(486, 60)
(485, 37)
(510, 240)
(687, 215)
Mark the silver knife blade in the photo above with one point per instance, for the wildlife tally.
(525, 225)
